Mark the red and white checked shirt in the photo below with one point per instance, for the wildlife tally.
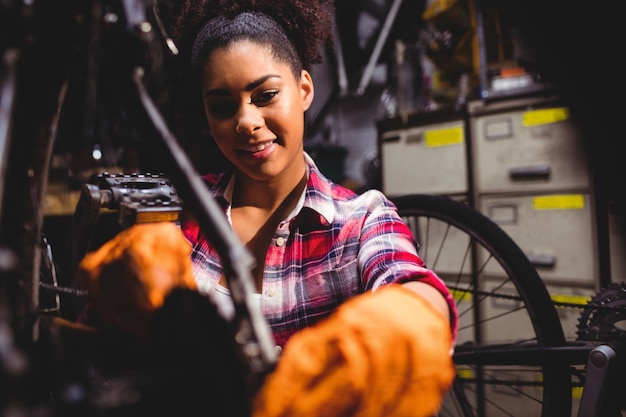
(336, 244)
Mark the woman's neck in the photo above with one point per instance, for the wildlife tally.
(256, 217)
(269, 194)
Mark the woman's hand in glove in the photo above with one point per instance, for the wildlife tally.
(129, 276)
(385, 353)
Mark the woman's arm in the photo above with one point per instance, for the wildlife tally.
(432, 295)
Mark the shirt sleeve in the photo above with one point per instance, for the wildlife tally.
(389, 252)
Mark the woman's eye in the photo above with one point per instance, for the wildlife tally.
(222, 109)
(265, 97)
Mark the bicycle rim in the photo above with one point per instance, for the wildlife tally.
(502, 303)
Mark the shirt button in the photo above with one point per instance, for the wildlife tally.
(271, 293)
(280, 241)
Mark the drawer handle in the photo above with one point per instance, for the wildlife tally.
(544, 261)
(531, 172)
(390, 139)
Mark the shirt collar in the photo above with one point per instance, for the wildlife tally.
(318, 192)
(317, 195)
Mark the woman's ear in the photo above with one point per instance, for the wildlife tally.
(307, 91)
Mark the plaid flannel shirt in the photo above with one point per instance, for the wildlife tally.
(336, 244)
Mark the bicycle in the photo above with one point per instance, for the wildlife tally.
(511, 354)
(39, 63)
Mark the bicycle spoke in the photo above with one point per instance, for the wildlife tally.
(505, 313)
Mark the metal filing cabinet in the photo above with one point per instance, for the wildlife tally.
(532, 178)
(556, 231)
(425, 153)
(526, 145)
(520, 161)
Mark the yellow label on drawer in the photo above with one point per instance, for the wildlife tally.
(571, 299)
(443, 137)
(559, 202)
(545, 116)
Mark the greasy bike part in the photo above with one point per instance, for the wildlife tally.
(603, 321)
(139, 198)
(604, 317)
(503, 306)
(122, 51)
(132, 198)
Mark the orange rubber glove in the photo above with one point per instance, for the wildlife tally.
(128, 277)
(385, 353)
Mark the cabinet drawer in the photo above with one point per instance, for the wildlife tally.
(428, 159)
(533, 147)
(556, 231)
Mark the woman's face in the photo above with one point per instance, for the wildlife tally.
(255, 110)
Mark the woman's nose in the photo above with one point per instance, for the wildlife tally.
(249, 119)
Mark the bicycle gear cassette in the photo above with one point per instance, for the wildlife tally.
(604, 318)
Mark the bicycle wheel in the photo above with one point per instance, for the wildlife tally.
(505, 313)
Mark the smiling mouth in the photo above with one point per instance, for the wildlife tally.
(258, 147)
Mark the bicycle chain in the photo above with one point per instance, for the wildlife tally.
(601, 317)
(590, 304)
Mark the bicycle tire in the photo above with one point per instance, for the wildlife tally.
(496, 286)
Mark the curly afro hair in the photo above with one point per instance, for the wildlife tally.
(309, 24)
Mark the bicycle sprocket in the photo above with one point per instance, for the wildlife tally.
(604, 318)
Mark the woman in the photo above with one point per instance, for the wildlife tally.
(365, 327)
(316, 244)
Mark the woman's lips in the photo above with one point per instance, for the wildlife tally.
(259, 151)
(257, 147)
